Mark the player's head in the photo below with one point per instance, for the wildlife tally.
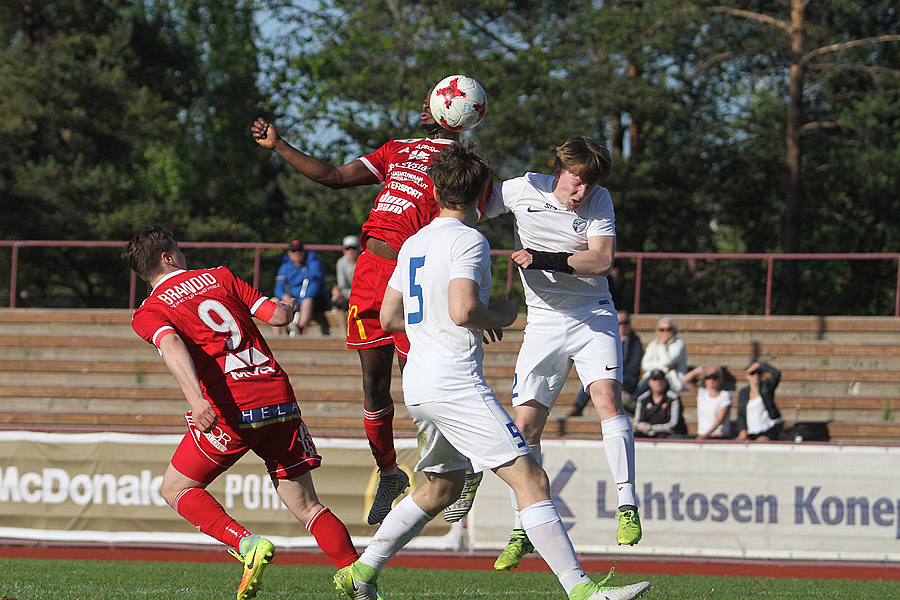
(428, 125)
(151, 250)
(584, 157)
(460, 175)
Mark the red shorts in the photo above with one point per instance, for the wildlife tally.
(363, 323)
(286, 447)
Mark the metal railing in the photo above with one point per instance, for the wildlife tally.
(640, 258)
(769, 258)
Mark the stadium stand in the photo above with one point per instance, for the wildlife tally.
(86, 370)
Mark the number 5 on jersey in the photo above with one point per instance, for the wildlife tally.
(415, 290)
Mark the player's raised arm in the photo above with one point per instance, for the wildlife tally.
(178, 360)
(352, 174)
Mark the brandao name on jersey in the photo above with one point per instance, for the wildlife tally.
(543, 223)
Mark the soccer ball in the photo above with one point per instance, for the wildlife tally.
(458, 103)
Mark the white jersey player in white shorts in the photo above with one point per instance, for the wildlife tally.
(565, 245)
(439, 295)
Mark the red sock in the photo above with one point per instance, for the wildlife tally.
(333, 538)
(203, 511)
(380, 431)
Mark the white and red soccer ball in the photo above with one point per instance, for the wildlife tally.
(458, 103)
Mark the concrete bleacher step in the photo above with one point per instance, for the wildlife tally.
(793, 329)
(325, 376)
(840, 431)
(87, 369)
(142, 423)
(798, 355)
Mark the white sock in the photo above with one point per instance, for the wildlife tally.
(545, 530)
(402, 524)
(539, 457)
(618, 444)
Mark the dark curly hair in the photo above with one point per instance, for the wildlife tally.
(460, 175)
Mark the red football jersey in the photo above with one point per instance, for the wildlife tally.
(406, 202)
(211, 311)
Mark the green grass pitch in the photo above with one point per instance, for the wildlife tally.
(34, 579)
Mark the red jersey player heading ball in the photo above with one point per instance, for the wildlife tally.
(404, 205)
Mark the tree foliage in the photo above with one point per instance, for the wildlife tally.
(123, 112)
(120, 114)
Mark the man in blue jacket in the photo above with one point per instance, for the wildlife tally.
(301, 284)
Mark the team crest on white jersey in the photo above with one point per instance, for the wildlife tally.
(579, 225)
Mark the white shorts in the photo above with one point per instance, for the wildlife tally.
(474, 427)
(554, 341)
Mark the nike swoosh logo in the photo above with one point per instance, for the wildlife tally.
(532, 209)
(609, 368)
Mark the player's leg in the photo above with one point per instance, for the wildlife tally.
(404, 522)
(411, 514)
(190, 499)
(544, 528)
(542, 369)
(531, 418)
(598, 361)
(483, 430)
(376, 366)
(183, 488)
(198, 460)
(618, 444)
(299, 495)
(379, 424)
(582, 399)
(409, 517)
(376, 354)
(461, 507)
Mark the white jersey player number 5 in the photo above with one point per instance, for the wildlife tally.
(415, 290)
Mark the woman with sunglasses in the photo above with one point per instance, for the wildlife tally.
(713, 403)
(667, 353)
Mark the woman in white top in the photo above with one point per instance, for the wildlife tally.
(667, 353)
(713, 403)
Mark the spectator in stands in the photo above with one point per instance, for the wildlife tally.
(346, 264)
(758, 418)
(632, 352)
(300, 284)
(658, 412)
(667, 353)
(713, 403)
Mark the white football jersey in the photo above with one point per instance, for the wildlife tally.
(444, 358)
(543, 223)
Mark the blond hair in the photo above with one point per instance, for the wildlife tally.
(585, 157)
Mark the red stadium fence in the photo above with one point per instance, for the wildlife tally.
(639, 258)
